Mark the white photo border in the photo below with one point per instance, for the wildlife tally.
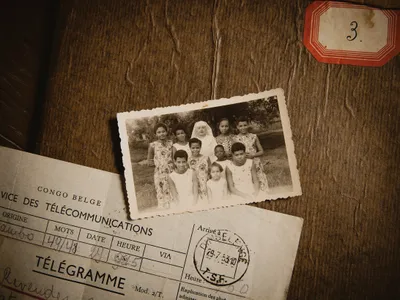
(126, 156)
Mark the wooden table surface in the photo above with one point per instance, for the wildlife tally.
(113, 56)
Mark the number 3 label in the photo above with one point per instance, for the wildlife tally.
(338, 32)
(355, 24)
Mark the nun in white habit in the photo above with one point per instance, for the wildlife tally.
(203, 132)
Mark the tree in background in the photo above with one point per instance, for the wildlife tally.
(261, 112)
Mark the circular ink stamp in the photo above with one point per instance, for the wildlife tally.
(221, 257)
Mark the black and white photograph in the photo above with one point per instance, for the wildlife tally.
(209, 154)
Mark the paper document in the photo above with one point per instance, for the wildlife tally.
(209, 154)
(65, 234)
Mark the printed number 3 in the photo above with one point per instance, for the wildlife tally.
(355, 25)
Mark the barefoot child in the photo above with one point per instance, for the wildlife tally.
(199, 164)
(181, 142)
(241, 175)
(225, 138)
(160, 155)
(253, 149)
(183, 182)
(217, 189)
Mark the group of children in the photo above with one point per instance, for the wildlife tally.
(206, 169)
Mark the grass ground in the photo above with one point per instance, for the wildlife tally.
(275, 167)
(144, 186)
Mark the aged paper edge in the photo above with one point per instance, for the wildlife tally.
(126, 158)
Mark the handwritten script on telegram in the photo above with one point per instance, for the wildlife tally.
(64, 234)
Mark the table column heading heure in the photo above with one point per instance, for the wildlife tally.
(91, 244)
(117, 251)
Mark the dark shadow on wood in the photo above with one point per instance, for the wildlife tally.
(116, 146)
(47, 56)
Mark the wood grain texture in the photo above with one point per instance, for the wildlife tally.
(115, 56)
(25, 37)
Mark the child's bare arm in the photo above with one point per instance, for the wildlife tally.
(254, 177)
(231, 184)
(150, 155)
(195, 188)
(172, 187)
(171, 162)
(260, 150)
(225, 191)
(209, 195)
(173, 151)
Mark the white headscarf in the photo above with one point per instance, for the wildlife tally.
(208, 141)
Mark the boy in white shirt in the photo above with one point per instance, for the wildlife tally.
(241, 174)
(183, 182)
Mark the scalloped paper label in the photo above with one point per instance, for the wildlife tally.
(344, 33)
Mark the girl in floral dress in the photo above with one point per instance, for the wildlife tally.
(225, 138)
(199, 163)
(160, 155)
(253, 150)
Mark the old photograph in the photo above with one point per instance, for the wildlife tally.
(209, 154)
